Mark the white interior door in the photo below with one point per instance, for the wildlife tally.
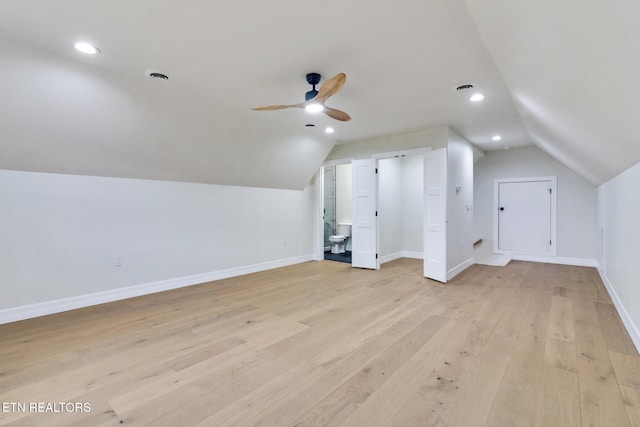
(435, 211)
(364, 244)
(525, 212)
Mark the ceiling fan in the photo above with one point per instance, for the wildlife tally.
(315, 99)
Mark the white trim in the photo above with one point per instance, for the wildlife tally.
(15, 314)
(390, 257)
(402, 254)
(460, 268)
(400, 153)
(337, 162)
(411, 254)
(553, 250)
(319, 248)
(631, 328)
(580, 262)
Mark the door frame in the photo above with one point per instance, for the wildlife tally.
(553, 250)
(318, 253)
(394, 154)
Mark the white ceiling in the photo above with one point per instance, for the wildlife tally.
(571, 67)
(101, 115)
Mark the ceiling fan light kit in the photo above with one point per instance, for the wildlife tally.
(315, 99)
(314, 107)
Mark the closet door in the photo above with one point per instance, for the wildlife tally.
(525, 219)
(435, 215)
(364, 243)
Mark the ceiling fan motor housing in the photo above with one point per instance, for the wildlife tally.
(313, 78)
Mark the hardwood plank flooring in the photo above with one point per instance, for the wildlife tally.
(323, 344)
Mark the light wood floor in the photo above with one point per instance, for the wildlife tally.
(321, 344)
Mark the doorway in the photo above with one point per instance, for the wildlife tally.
(525, 216)
(401, 207)
(336, 214)
(366, 183)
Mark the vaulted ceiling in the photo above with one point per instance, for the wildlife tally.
(556, 74)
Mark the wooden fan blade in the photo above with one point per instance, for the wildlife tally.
(331, 87)
(277, 107)
(336, 114)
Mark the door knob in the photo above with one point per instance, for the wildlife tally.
(501, 208)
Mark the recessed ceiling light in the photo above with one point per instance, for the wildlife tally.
(329, 130)
(496, 138)
(87, 48)
(314, 107)
(476, 97)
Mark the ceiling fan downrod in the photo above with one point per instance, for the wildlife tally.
(313, 79)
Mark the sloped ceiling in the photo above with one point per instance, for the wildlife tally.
(571, 67)
(102, 115)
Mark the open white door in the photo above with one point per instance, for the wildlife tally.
(435, 215)
(364, 244)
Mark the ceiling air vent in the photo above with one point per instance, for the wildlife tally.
(464, 87)
(155, 74)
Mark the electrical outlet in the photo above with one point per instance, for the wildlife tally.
(118, 260)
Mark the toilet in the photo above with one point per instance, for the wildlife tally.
(339, 241)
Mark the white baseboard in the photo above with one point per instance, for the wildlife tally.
(402, 254)
(460, 268)
(390, 257)
(580, 262)
(65, 304)
(631, 328)
(414, 255)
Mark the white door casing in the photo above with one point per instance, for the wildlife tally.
(435, 212)
(364, 244)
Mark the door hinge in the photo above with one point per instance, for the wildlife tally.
(376, 256)
(550, 190)
(549, 242)
(376, 170)
(376, 213)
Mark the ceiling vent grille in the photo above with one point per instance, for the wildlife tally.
(464, 87)
(157, 75)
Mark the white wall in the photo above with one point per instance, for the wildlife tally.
(576, 197)
(400, 206)
(343, 194)
(59, 233)
(619, 244)
(390, 198)
(413, 204)
(459, 203)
